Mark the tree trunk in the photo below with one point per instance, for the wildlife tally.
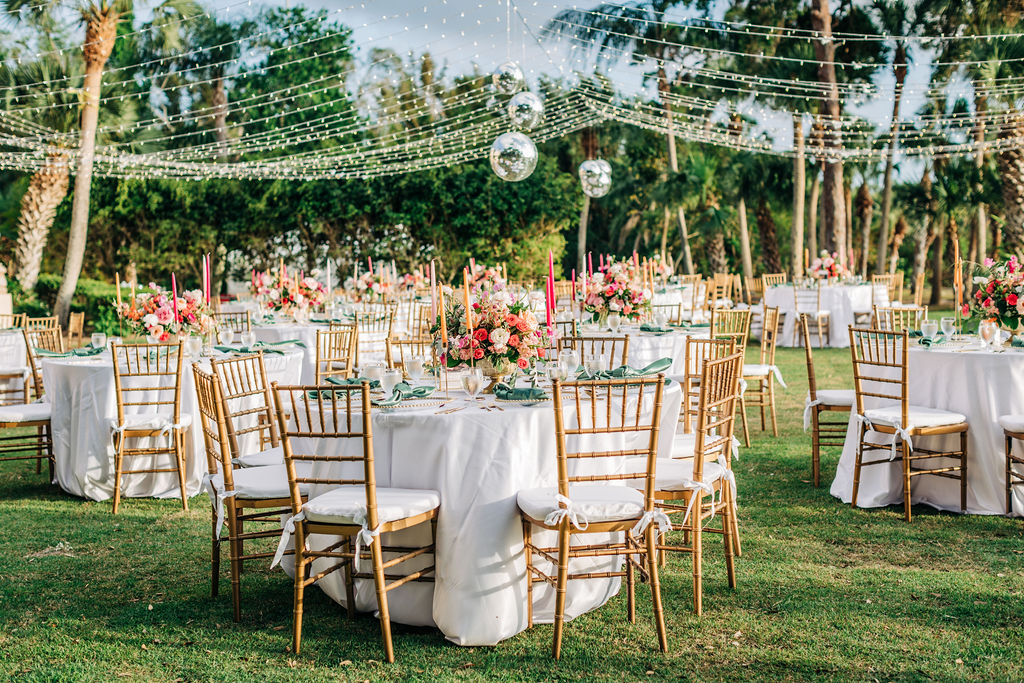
(834, 209)
(220, 115)
(767, 232)
(46, 190)
(673, 164)
(898, 235)
(812, 217)
(865, 207)
(925, 238)
(799, 188)
(981, 219)
(100, 33)
(936, 296)
(1011, 172)
(581, 236)
(687, 258)
(718, 261)
(899, 63)
(748, 265)
(848, 203)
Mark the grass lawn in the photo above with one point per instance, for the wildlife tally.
(824, 591)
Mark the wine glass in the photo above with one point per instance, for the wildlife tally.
(248, 339)
(389, 380)
(98, 339)
(594, 364)
(661, 318)
(987, 330)
(194, 346)
(569, 360)
(948, 327)
(227, 337)
(374, 370)
(614, 320)
(473, 381)
(929, 328)
(414, 368)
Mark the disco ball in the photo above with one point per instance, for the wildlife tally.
(596, 177)
(513, 157)
(525, 110)
(508, 78)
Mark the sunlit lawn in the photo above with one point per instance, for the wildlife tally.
(824, 592)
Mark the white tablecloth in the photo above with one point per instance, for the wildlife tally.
(279, 332)
(841, 301)
(12, 354)
(84, 402)
(981, 386)
(477, 460)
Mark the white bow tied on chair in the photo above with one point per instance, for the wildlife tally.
(366, 536)
(286, 535)
(808, 407)
(556, 516)
(657, 517)
(901, 433)
(214, 486)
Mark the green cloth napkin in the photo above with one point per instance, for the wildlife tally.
(83, 352)
(660, 365)
(1017, 343)
(255, 348)
(352, 381)
(327, 321)
(655, 329)
(688, 326)
(401, 392)
(284, 342)
(504, 392)
(932, 341)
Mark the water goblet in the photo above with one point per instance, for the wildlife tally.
(614, 320)
(111, 341)
(569, 360)
(594, 364)
(248, 339)
(948, 327)
(929, 328)
(99, 340)
(473, 381)
(987, 330)
(414, 368)
(227, 337)
(374, 370)
(389, 380)
(194, 346)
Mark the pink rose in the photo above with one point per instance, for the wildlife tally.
(513, 340)
(478, 354)
(987, 303)
(523, 363)
(1011, 299)
(523, 326)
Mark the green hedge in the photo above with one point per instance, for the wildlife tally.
(92, 297)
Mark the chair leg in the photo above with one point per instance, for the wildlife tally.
(857, 466)
(563, 578)
(382, 598)
(815, 448)
(631, 583)
(235, 553)
(743, 416)
(696, 524)
(737, 547)
(179, 463)
(963, 472)
(214, 557)
(300, 586)
(350, 583)
(528, 553)
(1009, 472)
(771, 406)
(727, 534)
(906, 481)
(652, 566)
(118, 465)
(761, 401)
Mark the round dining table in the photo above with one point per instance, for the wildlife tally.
(84, 404)
(842, 301)
(477, 454)
(13, 359)
(647, 347)
(959, 377)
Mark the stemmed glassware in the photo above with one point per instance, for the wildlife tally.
(414, 368)
(929, 328)
(948, 327)
(594, 364)
(248, 339)
(614, 320)
(389, 380)
(473, 381)
(98, 339)
(988, 331)
(227, 337)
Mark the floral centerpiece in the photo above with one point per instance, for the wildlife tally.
(411, 281)
(278, 291)
(615, 290)
(505, 335)
(1000, 294)
(485, 277)
(368, 287)
(153, 314)
(827, 266)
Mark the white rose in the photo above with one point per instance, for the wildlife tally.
(150, 320)
(499, 336)
(615, 305)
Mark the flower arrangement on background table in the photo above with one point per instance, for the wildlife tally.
(369, 287)
(278, 291)
(159, 315)
(999, 295)
(615, 289)
(827, 267)
(483, 277)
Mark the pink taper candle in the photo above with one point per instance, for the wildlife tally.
(174, 296)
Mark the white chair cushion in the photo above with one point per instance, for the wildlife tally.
(25, 412)
(672, 474)
(837, 397)
(918, 416)
(347, 504)
(756, 370)
(18, 370)
(269, 456)
(263, 483)
(593, 502)
(683, 445)
(1012, 423)
(151, 420)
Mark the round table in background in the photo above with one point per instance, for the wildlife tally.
(841, 301)
(978, 384)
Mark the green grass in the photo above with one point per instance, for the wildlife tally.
(824, 592)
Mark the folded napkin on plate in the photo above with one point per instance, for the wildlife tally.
(352, 381)
(83, 352)
(931, 341)
(345, 320)
(505, 392)
(655, 329)
(255, 348)
(283, 342)
(687, 326)
(624, 371)
(1017, 343)
(403, 391)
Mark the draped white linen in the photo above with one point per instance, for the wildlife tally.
(977, 384)
(478, 460)
(645, 347)
(841, 301)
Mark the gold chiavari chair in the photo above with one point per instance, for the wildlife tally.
(697, 352)
(563, 290)
(353, 506)
(673, 312)
(239, 321)
(879, 297)
(595, 492)
(375, 326)
(48, 339)
(686, 486)
(40, 323)
(15, 379)
(899, 318)
(401, 351)
(896, 287)
(30, 422)
(244, 392)
(76, 330)
(566, 328)
(10, 321)
(336, 352)
(719, 292)
(614, 349)
(760, 377)
(818, 404)
(807, 301)
(252, 495)
(734, 323)
(147, 384)
(754, 290)
(420, 320)
(919, 289)
(772, 280)
(1013, 428)
(880, 378)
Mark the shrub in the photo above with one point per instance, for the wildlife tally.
(92, 297)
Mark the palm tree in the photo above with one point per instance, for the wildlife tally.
(636, 29)
(100, 18)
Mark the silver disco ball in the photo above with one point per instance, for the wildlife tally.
(508, 78)
(513, 157)
(596, 177)
(525, 110)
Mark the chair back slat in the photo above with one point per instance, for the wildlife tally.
(10, 321)
(769, 336)
(812, 383)
(147, 376)
(716, 415)
(614, 349)
(213, 424)
(880, 368)
(899, 318)
(336, 351)
(46, 322)
(238, 321)
(47, 339)
(733, 323)
(246, 403)
(697, 353)
(401, 351)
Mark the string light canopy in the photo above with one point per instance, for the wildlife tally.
(322, 129)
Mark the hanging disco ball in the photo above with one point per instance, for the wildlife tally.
(513, 157)
(508, 78)
(596, 177)
(525, 110)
